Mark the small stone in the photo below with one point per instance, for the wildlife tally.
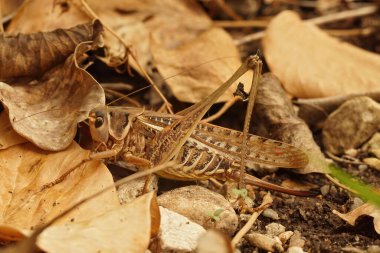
(354, 122)
(264, 242)
(274, 229)
(356, 203)
(285, 236)
(295, 250)
(205, 207)
(296, 240)
(373, 162)
(177, 233)
(333, 190)
(362, 167)
(351, 152)
(325, 189)
(271, 214)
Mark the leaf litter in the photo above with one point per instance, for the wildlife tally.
(190, 44)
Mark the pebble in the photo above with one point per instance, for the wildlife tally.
(353, 123)
(177, 233)
(356, 203)
(285, 236)
(274, 229)
(325, 189)
(270, 213)
(264, 242)
(207, 208)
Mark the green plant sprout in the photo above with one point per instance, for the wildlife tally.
(243, 193)
(215, 216)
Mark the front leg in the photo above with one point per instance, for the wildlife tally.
(116, 148)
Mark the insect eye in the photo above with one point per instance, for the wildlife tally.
(99, 122)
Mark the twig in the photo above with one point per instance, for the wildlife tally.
(227, 10)
(1, 17)
(241, 23)
(363, 11)
(342, 160)
(267, 201)
(117, 86)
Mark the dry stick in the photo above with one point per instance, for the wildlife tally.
(142, 70)
(1, 17)
(317, 21)
(267, 201)
(241, 23)
(228, 10)
(247, 120)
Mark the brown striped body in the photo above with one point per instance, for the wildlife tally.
(210, 151)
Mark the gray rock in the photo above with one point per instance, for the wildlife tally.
(205, 207)
(351, 124)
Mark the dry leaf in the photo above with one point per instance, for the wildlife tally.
(214, 241)
(180, 37)
(126, 228)
(48, 15)
(274, 111)
(366, 209)
(192, 44)
(310, 63)
(46, 111)
(24, 171)
(8, 136)
(7, 8)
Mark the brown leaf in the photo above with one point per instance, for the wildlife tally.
(274, 111)
(193, 42)
(126, 228)
(46, 111)
(192, 80)
(8, 136)
(180, 38)
(310, 63)
(26, 202)
(366, 209)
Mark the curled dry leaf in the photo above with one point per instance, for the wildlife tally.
(366, 209)
(274, 111)
(49, 15)
(26, 202)
(310, 63)
(126, 228)
(46, 97)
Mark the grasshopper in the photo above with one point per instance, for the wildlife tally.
(146, 139)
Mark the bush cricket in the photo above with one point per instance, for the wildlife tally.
(146, 139)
